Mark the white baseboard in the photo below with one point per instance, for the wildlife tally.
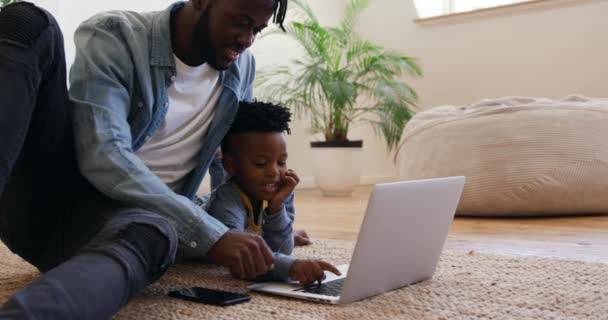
(308, 182)
(379, 178)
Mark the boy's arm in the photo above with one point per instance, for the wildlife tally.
(277, 230)
(101, 88)
(282, 266)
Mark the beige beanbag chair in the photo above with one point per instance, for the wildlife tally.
(521, 156)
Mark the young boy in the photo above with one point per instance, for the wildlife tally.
(258, 193)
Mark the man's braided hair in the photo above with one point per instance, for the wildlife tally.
(280, 11)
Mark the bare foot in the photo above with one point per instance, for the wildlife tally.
(301, 238)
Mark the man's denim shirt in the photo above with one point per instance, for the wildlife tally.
(118, 85)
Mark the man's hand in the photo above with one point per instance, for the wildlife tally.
(246, 255)
(301, 238)
(288, 184)
(308, 271)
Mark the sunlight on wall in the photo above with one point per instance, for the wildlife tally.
(432, 8)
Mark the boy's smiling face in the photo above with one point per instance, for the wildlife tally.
(257, 162)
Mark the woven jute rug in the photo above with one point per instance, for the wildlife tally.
(467, 285)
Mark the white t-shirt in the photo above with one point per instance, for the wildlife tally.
(172, 151)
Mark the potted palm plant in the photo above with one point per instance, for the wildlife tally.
(341, 81)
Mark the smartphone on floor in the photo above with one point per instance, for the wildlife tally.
(210, 296)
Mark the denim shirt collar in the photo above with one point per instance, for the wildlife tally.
(161, 51)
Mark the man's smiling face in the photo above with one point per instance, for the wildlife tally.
(227, 27)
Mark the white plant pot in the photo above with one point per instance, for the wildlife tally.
(337, 170)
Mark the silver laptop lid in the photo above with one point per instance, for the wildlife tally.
(402, 235)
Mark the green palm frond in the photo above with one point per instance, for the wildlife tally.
(303, 9)
(353, 10)
(339, 70)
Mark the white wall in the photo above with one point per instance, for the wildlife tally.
(549, 49)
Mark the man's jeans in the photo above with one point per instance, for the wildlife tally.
(95, 253)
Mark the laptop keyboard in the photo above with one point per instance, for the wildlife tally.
(330, 288)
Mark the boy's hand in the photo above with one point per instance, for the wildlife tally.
(301, 238)
(308, 271)
(288, 184)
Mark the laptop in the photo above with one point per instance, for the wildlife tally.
(400, 240)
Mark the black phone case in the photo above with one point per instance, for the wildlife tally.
(212, 296)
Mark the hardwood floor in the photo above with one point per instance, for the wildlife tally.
(577, 238)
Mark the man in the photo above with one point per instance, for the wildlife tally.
(150, 100)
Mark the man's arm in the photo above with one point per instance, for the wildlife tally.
(225, 204)
(216, 171)
(101, 86)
